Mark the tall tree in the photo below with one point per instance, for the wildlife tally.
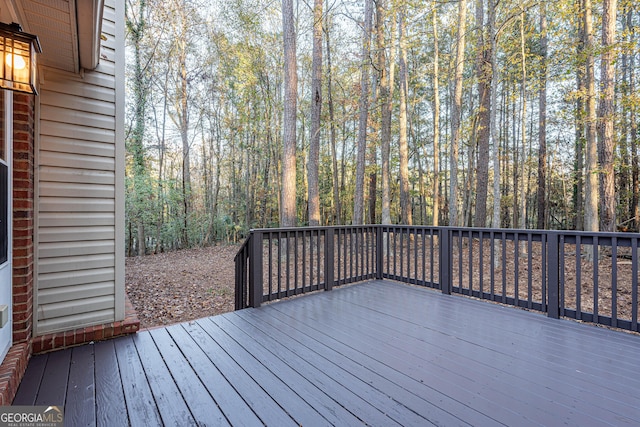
(136, 24)
(403, 146)
(634, 209)
(288, 216)
(436, 116)
(580, 128)
(493, 127)
(386, 107)
(182, 25)
(483, 72)
(606, 113)
(387, 110)
(456, 113)
(316, 110)
(332, 125)
(358, 203)
(591, 163)
(522, 188)
(542, 122)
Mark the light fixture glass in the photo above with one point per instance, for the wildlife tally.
(19, 50)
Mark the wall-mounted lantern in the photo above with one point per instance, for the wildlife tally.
(19, 50)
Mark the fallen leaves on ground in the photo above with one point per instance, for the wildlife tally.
(182, 285)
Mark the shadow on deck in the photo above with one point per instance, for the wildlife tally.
(377, 353)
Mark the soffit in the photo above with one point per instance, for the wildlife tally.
(54, 22)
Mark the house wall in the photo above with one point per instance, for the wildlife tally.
(79, 190)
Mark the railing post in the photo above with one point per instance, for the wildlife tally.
(379, 251)
(239, 305)
(553, 271)
(255, 269)
(444, 255)
(329, 261)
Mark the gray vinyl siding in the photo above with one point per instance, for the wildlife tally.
(79, 271)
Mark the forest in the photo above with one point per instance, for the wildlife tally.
(483, 113)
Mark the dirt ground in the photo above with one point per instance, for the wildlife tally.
(181, 286)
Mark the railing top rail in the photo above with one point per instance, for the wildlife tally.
(310, 228)
(444, 227)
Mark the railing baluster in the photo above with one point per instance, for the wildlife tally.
(431, 249)
(339, 257)
(301, 268)
(504, 267)
(356, 233)
(529, 270)
(318, 256)
(634, 284)
(543, 296)
(481, 263)
(350, 254)
(401, 254)
(415, 255)
(379, 251)
(516, 267)
(596, 262)
(395, 251)
(311, 258)
(561, 263)
(424, 260)
(578, 278)
(387, 246)
(280, 255)
(460, 252)
(614, 282)
(554, 278)
(270, 267)
(492, 269)
(471, 262)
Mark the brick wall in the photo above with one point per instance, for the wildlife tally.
(23, 220)
(15, 363)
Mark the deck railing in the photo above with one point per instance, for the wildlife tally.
(591, 277)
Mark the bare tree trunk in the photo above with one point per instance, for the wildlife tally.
(542, 123)
(493, 129)
(591, 173)
(522, 217)
(161, 135)
(436, 118)
(483, 72)
(332, 125)
(288, 217)
(184, 130)
(606, 119)
(358, 203)
(456, 115)
(405, 202)
(136, 147)
(578, 187)
(635, 167)
(386, 101)
(316, 109)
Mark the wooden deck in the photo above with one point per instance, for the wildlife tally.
(378, 353)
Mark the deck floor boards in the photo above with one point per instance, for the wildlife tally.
(377, 353)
